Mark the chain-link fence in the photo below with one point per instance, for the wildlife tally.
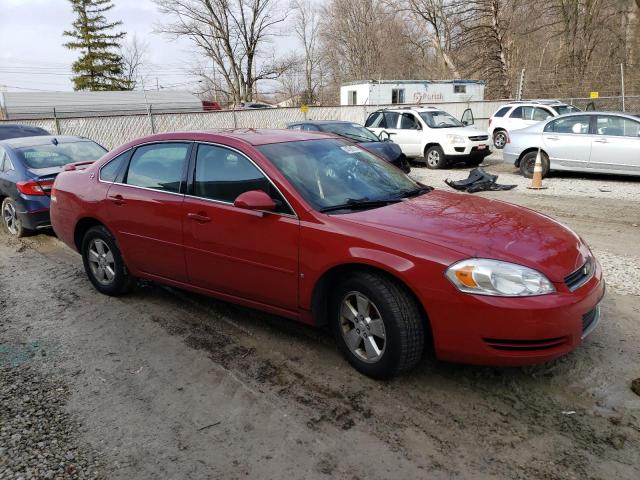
(114, 130)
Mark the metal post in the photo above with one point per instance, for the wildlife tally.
(151, 124)
(520, 85)
(56, 121)
(622, 85)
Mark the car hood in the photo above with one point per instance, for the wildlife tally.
(464, 131)
(388, 150)
(482, 228)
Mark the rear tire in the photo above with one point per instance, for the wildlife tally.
(435, 157)
(528, 162)
(104, 264)
(10, 220)
(499, 139)
(377, 324)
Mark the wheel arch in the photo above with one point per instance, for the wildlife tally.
(427, 146)
(322, 291)
(528, 150)
(82, 227)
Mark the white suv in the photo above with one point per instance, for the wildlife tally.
(432, 134)
(521, 114)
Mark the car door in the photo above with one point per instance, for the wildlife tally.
(234, 251)
(408, 135)
(616, 144)
(517, 118)
(143, 209)
(567, 141)
(6, 168)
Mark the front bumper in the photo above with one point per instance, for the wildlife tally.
(467, 152)
(499, 331)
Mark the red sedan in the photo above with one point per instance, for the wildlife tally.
(313, 228)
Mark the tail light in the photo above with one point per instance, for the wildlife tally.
(32, 187)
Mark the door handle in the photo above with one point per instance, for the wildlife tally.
(197, 217)
(602, 140)
(117, 199)
(553, 138)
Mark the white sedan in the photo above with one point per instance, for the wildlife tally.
(599, 142)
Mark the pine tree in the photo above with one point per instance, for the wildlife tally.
(100, 66)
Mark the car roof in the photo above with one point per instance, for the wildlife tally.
(536, 103)
(250, 136)
(22, 142)
(428, 108)
(15, 130)
(598, 112)
(323, 122)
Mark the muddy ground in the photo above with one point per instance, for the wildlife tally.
(168, 384)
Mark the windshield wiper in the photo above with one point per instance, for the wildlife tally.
(357, 137)
(415, 192)
(357, 203)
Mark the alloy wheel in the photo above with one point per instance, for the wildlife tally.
(101, 262)
(362, 327)
(500, 140)
(433, 158)
(10, 218)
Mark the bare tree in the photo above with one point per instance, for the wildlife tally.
(437, 24)
(306, 27)
(231, 33)
(133, 54)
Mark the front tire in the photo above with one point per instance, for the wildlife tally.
(104, 264)
(528, 163)
(435, 157)
(377, 324)
(10, 220)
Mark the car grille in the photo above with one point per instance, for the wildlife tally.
(525, 345)
(479, 138)
(578, 278)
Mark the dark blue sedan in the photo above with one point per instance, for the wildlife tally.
(28, 167)
(387, 150)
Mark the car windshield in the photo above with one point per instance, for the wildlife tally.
(440, 119)
(58, 155)
(352, 131)
(562, 109)
(331, 172)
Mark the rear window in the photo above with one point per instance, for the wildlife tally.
(562, 109)
(51, 155)
(502, 112)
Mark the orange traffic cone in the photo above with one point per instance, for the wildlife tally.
(536, 181)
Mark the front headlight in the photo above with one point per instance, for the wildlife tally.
(493, 277)
(455, 139)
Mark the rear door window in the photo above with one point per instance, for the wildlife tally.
(112, 170)
(617, 126)
(375, 120)
(391, 119)
(158, 166)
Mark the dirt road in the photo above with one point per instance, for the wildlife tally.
(167, 384)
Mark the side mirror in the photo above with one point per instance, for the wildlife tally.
(465, 123)
(255, 200)
(384, 136)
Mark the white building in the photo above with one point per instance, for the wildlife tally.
(392, 92)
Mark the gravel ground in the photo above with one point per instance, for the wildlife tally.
(557, 184)
(38, 438)
(167, 384)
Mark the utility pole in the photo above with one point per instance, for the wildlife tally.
(520, 85)
(622, 85)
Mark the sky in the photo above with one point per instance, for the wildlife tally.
(32, 56)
